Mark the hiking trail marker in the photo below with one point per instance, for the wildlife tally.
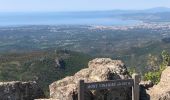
(134, 83)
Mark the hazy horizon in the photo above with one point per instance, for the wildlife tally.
(78, 5)
(82, 10)
(57, 12)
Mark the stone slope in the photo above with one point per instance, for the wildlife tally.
(161, 91)
(17, 90)
(99, 69)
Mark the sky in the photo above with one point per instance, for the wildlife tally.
(78, 5)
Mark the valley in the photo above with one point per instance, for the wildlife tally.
(125, 42)
(47, 53)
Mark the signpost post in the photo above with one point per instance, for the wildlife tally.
(81, 90)
(134, 83)
(135, 88)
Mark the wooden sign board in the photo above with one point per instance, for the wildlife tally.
(134, 83)
(109, 84)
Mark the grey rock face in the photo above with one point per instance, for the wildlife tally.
(161, 91)
(20, 91)
(99, 69)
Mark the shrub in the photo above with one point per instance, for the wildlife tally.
(155, 76)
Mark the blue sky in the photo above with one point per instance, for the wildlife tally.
(77, 5)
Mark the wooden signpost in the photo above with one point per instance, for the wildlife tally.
(134, 83)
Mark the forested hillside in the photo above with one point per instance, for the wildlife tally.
(41, 66)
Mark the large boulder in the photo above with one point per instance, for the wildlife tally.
(99, 69)
(20, 91)
(161, 91)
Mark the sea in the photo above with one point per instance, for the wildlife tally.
(62, 18)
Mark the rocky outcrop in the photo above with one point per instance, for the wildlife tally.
(59, 63)
(146, 84)
(161, 91)
(99, 69)
(20, 91)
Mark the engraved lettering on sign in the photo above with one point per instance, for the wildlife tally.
(109, 84)
(92, 86)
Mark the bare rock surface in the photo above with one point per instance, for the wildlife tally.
(161, 91)
(20, 91)
(99, 69)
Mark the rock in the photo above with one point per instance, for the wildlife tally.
(20, 91)
(59, 63)
(143, 94)
(165, 96)
(161, 91)
(146, 84)
(99, 69)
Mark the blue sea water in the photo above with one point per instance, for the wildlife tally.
(52, 18)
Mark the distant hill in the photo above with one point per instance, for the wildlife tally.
(158, 14)
(82, 17)
(120, 11)
(157, 10)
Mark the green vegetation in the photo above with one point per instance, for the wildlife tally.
(155, 75)
(30, 52)
(131, 70)
(41, 66)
